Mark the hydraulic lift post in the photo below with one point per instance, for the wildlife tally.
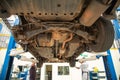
(7, 66)
(109, 67)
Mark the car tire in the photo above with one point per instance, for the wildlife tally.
(72, 62)
(105, 36)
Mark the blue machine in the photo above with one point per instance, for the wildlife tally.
(109, 67)
(117, 32)
(7, 66)
(117, 29)
(108, 63)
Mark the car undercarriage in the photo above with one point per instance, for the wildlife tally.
(60, 30)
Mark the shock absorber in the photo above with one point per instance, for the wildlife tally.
(56, 48)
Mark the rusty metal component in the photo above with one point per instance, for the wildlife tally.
(62, 49)
(60, 35)
(92, 13)
(63, 45)
(61, 53)
(44, 27)
(45, 52)
(45, 10)
(56, 35)
(55, 60)
(85, 35)
(36, 44)
(51, 43)
(30, 34)
(47, 43)
(44, 40)
(73, 45)
(56, 48)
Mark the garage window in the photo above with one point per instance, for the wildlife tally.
(63, 70)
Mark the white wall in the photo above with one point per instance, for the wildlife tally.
(55, 72)
(96, 63)
(75, 74)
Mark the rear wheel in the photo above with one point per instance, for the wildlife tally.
(105, 35)
(72, 63)
(41, 61)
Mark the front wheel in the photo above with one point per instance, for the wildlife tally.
(72, 62)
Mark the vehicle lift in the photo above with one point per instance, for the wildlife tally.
(108, 63)
(7, 66)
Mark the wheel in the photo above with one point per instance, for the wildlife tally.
(105, 36)
(41, 61)
(39, 65)
(72, 62)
